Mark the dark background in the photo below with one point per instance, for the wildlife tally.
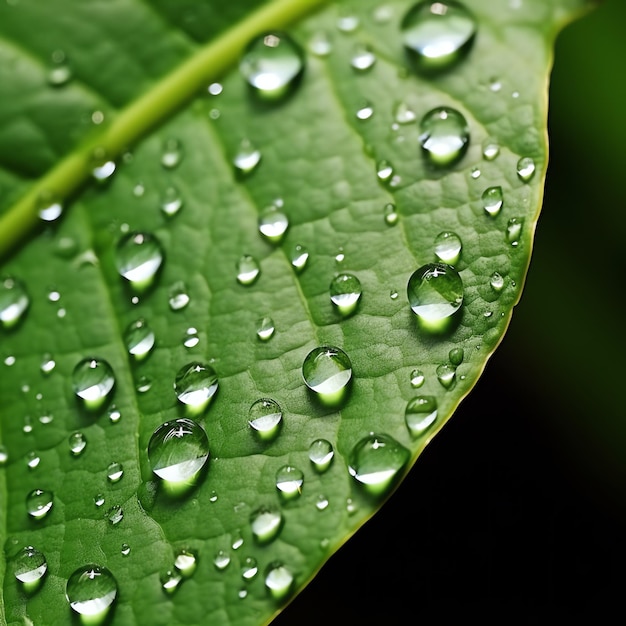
(516, 512)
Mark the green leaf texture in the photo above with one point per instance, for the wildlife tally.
(137, 84)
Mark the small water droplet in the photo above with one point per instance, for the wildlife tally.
(376, 460)
(248, 270)
(490, 149)
(125, 549)
(221, 560)
(178, 450)
(102, 167)
(526, 168)
(171, 202)
(91, 590)
(191, 338)
(393, 294)
(143, 384)
(363, 58)
(186, 562)
(321, 503)
(38, 503)
(448, 247)
(49, 208)
(178, 296)
(299, 257)
(47, 364)
(345, 292)
(475, 173)
(59, 72)
(348, 23)
(497, 282)
(289, 480)
(444, 136)
(265, 524)
(403, 113)
(456, 356)
(29, 565)
(170, 580)
(514, 230)
(28, 426)
(249, 569)
(195, 385)
(4, 455)
(272, 64)
(138, 257)
(14, 301)
(172, 153)
(420, 414)
(390, 214)
(340, 257)
(98, 500)
(139, 339)
(320, 44)
(321, 454)
(273, 224)
(77, 442)
(115, 471)
(114, 415)
(32, 460)
(446, 375)
(327, 371)
(265, 417)
(365, 110)
(492, 200)
(9, 360)
(93, 380)
(265, 328)
(384, 170)
(417, 378)
(435, 293)
(278, 580)
(495, 85)
(237, 541)
(247, 158)
(437, 34)
(115, 514)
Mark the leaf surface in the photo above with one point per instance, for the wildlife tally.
(133, 69)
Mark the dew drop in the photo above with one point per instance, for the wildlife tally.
(437, 34)
(492, 200)
(172, 153)
(195, 385)
(273, 224)
(365, 111)
(138, 257)
(327, 371)
(265, 328)
(363, 58)
(48, 207)
(345, 292)
(178, 296)
(114, 415)
(171, 202)
(186, 562)
(289, 480)
(497, 282)
(102, 167)
(376, 460)
(248, 270)
(4, 455)
(321, 454)
(237, 541)
(446, 375)
(272, 64)
(14, 301)
(38, 503)
(221, 560)
(348, 23)
(278, 580)
(139, 339)
(115, 514)
(456, 356)
(448, 247)
(320, 44)
(525, 168)
(170, 580)
(321, 503)
(91, 590)
(77, 443)
(266, 524)
(191, 338)
(32, 460)
(475, 173)
(299, 257)
(115, 471)
(93, 381)
(143, 384)
(444, 136)
(490, 150)
(384, 170)
(514, 230)
(247, 158)
(390, 214)
(265, 417)
(420, 414)
(98, 500)
(178, 450)
(125, 549)
(29, 565)
(249, 569)
(417, 378)
(403, 113)
(59, 72)
(47, 364)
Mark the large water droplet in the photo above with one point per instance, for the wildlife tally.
(139, 339)
(492, 200)
(138, 257)
(178, 450)
(321, 454)
(299, 257)
(273, 224)
(448, 247)
(93, 381)
(14, 301)
(526, 168)
(248, 270)
(327, 371)
(437, 34)
(29, 565)
(91, 590)
(289, 480)
(435, 293)
(265, 416)
(444, 135)
(420, 414)
(272, 64)
(265, 524)
(278, 580)
(376, 460)
(345, 291)
(186, 562)
(38, 503)
(195, 385)
(77, 442)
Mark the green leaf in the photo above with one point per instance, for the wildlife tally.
(136, 88)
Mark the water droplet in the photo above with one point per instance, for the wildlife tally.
(237, 541)
(363, 58)
(376, 460)
(9, 360)
(46, 418)
(265, 417)
(59, 72)
(115, 514)
(446, 375)
(102, 167)
(38, 503)
(4, 455)
(475, 173)
(186, 562)
(404, 114)
(115, 471)
(514, 230)
(492, 200)
(321, 454)
(28, 426)
(139, 339)
(526, 168)
(391, 215)
(248, 270)
(221, 560)
(170, 580)
(345, 292)
(437, 34)
(497, 282)
(247, 158)
(32, 460)
(98, 500)
(327, 371)
(420, 414)
(91, 590)
(435, 292)
(490, 149)
(171, 202)
(178, 450)
(384, 170)
(348, 23)
(456, 356)
(299, 257)
(448, 247)
(278, 580)
(178, 298)
(273, 224)
(265, 328)
(340, 257)
(320, 44)
(195, 385)
(77, 442)
(125, 549)
(444, 135)
(272, 64)
(289, 481)
(29, 565)
(321, 502)
(172, 153)
(14, 301)
(191, 338)
(93, 381)
(138, 257)
(365, 110)
(47, 364)
(417, 378)
(143, 384)
(48, 207)
(265, 524)
(249, 569)
(114, 415)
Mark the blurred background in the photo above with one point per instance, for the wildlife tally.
(516, 512)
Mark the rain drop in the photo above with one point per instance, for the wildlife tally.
(514, 230)
(363, 58)
(247, 158)
(273, 224)
(115, 515)
(497, 282)
(278, 580)
(448, 247)
(384, 170)
(456, 356)
(139, 339)
(492, 200)
(115, 471)
(77, 443)
(265, 417)
(49, 208)
(186, 562)
(525, 168)
(38, 503)
(444, 136)
(265, 328)
(320, 44)
(178, 298)
(29, 565)
(221, 560)
(299, 257)
(195, 385)
(265, 524)
(345, 292)
(348, 23)
(327, 371)
(420, 414)
(32, 460)
(171, 202)
(93, 381)
(321, 503)
(125, 549)
(47, 364)
(417, 378)
(390, 214)
(91, 590)
(138, 257)
(102, 167)
(365, 111)
(404, 114)
(248, 270)
(289, 481)
(249, 569)
(321, 454)
(446, 375)
(490, 150)
(172, 153)
(191, 338)
(14, 301)
(59, 72)
(170, 581)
